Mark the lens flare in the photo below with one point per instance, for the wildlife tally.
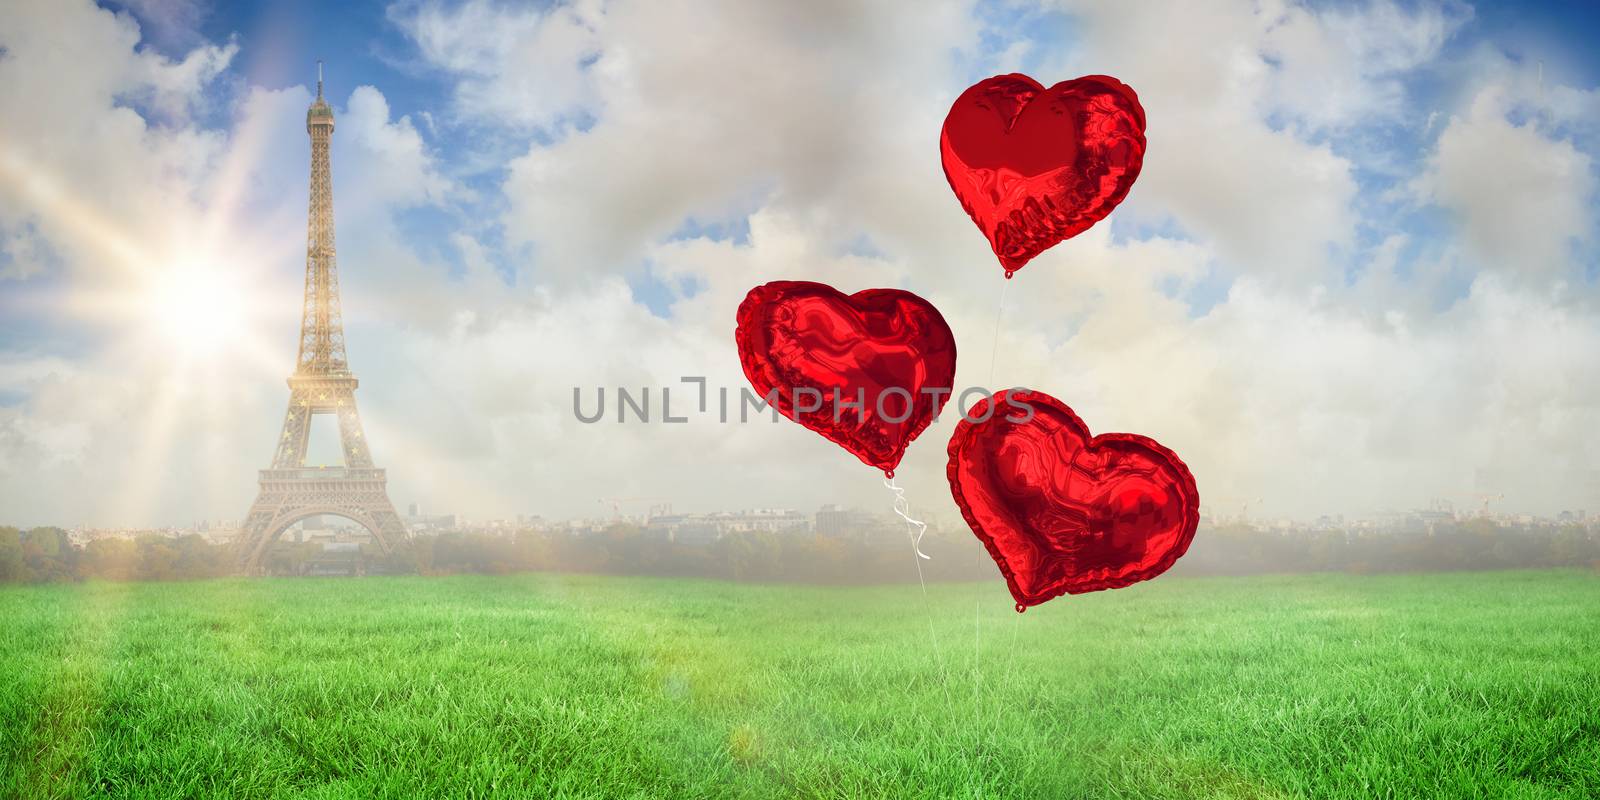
(198, 310)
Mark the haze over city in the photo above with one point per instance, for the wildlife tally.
(1358, 273)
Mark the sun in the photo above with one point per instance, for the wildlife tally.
(199, 310)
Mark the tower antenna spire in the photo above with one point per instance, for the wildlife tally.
(319, 79)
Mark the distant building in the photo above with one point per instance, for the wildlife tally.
(703, 528)
(690, 529)
(763, 520)
(421, 523)
(842, 523)
(337, 558)
(221, 533)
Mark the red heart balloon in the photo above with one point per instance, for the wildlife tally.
(1036, 166)
(1062, 512)
(852, 368)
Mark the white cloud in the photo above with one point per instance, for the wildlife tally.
(70, 146)
(815, 128)
(1269, 201)
(1522, 198)
(408, 176)
(710, 112)
(169, 22)
(520, 66)
(1340, 67)
(1292, 365)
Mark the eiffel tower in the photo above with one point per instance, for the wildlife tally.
(321, 384)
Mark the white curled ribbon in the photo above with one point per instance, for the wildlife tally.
(902, 507)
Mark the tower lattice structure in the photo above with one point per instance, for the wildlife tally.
(321, 384)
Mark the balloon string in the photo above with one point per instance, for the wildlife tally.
(902, 507)
(994, 346)
(977, 603)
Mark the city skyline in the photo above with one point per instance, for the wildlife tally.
(1326, 293)
(425, 520)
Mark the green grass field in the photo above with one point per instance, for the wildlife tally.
(1456, 685)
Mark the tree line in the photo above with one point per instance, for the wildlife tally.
(46, 554)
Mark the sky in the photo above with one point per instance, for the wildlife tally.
(1360, 271)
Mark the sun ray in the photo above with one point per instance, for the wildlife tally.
(134, 499)
(183, 318)
(51, 200)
